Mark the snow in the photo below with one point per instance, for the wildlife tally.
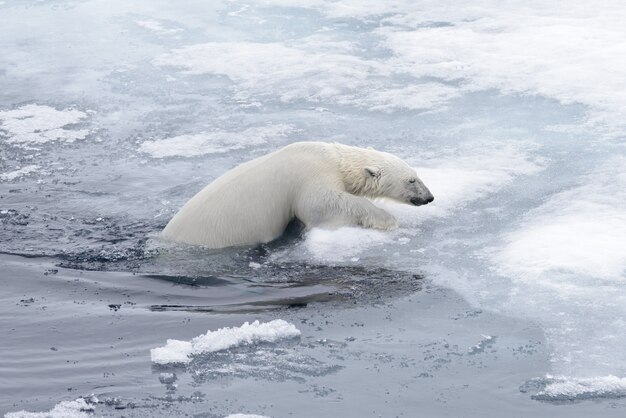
(176, 351)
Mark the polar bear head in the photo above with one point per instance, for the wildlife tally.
(392, 178)
(371, 173)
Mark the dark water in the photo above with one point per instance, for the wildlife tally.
(74, 332)
(374, 343)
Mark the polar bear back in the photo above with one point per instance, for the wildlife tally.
(254, 202)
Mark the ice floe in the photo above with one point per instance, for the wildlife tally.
(486, 342)
(473, 172)
(78, 408)
(567, 267)
(214, 142)
(519, 49)
(578, 231)
(21, 172)
(176, 351)
(37, 124)
(516, 47)
(295, 72)
(343, 243)
(564, 388)
(274, 69)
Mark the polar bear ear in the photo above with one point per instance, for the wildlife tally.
(373, 171)
(370, 148)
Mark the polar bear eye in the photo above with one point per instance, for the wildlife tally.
(412, 181)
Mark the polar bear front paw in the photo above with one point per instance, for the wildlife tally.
(382, 220)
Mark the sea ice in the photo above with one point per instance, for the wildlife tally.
(15, 174)
(66, 409)
(562, 388)
(215, 142)
(38, 124)
(578, 231)
(176, 351)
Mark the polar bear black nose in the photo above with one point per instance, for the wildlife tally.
(419, 201)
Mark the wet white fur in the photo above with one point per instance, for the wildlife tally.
(321, 184)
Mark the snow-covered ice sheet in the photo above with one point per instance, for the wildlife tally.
(579, 231)
(569, 254)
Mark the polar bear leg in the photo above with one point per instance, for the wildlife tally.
(369, 215)
(341, 209)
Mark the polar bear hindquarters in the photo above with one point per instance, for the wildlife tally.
(248, 205)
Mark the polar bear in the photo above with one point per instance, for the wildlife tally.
(321, 184)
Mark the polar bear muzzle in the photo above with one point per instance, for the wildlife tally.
(418, 201)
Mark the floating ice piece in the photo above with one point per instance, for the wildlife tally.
(176, 351)
(485, 342)
(66, 409)
(563, 388)
(38, 124)
(24, 171)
